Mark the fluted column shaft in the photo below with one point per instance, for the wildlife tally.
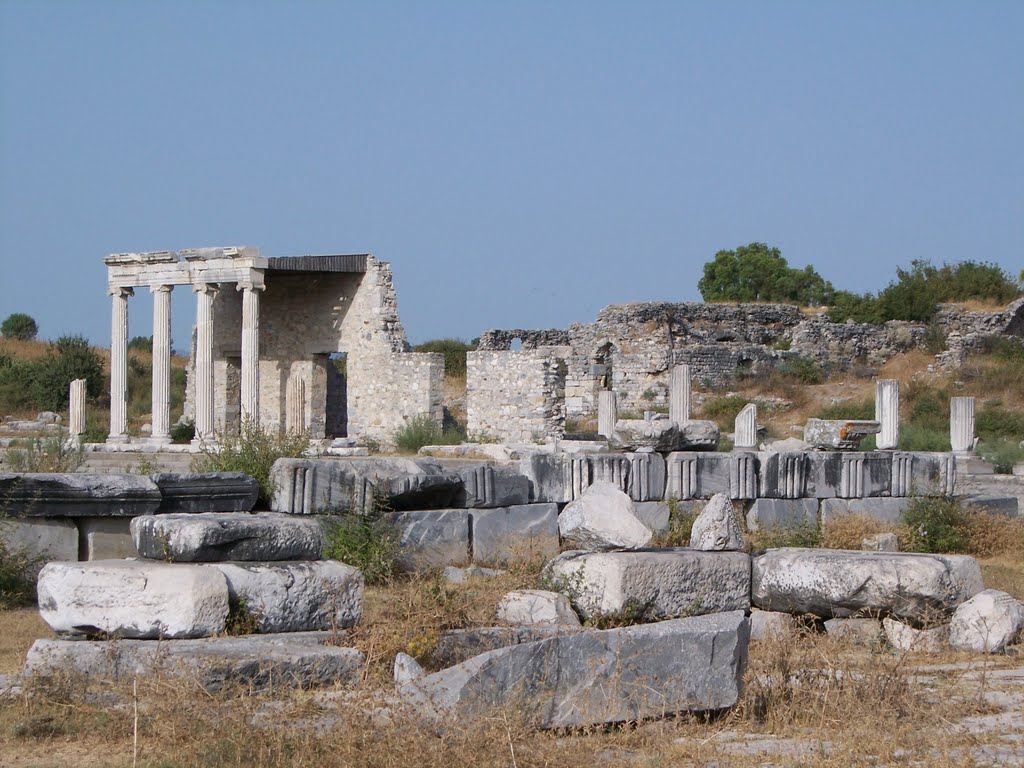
(607, 412)
(961, 424)
(679, 394)
(250, 384)
(887, 413)
(161, 416)
(76, 407)
(205, 294)
(119, 365)
(745, 432)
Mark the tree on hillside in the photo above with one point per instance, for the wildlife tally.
(756, 272)
(19, 326)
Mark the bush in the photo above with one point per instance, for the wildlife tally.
(803, 369)
(17, 577)
(141, 343)
(43, 384)
(50, 454)
(252, 451)
(365, 539)
(756, 272)
(183, 431)
(680, 524)
(454, 351)
(19, 326)
(994, 422)
(1002, 453)
(865, 409)
(936, 525)
(723, 410)
(920, 437)
(421, 430)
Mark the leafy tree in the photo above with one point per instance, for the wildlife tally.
(141, 343)
(19, 326)
(454, 351)
(44, 383)
(756, 272)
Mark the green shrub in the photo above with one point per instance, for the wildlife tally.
(43, 384)
(365, 539)
(421, 430)
(723, 410)
(803, 369)
(19, 326)
(183, 431)
(252, 451)
(936, 525)
(45, 454)
(865, 409)
(454, 351)
(994, 421)
(921, 437)
(1003, 453)
(17, 577)
(141, 343)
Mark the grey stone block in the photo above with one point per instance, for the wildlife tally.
(205, 492)
(486, 486)
(105, 538)
(766, 514)
(653, 514)
(457, 645)
(856, 631)
(863, 474)
(432, 538)
(44, 538)
(843, 583)
(646, 477)
(783, 475)
(701, 475)
(296, 597)
(887, 510)
(517, 533)
(595, 677)
(223, 536)
(923, 474)
(73, 495)
(293, 660)
(132, 598)
(767, 625)
(839, 434)
(1008, 506)
(658, 583)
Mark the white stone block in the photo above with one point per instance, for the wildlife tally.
(603, 518)
(903, 637)
(987, 623)
(536, 606)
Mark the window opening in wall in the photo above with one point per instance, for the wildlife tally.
(336, 416)
(516, 344)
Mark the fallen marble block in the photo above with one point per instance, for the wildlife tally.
(486, 486)
(197, 492)
(603, 518)
(597, 676)
(294, 660)
(772, 625)
(73, 495)
(133, 599)
(842, 583)
(665, 436)
(457, 645)
(536, 607)
(431, 538)
(296, 597)
(987, 623)
(1007, 506)
(653, 583)
(904, 637)
(715, 529)
(839, 434)
(518, 533)
(224, 536)
(866, 632)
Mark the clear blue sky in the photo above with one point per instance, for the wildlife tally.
(521, 164)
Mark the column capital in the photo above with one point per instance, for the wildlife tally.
(249, 285)
(161, 288)
(210, 288)
(121, 291)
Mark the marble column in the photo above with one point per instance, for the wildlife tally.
(76, 410)
(295, 404)
(119, 365)
(205, 294)
(161, 416)
(961, 424)
(887, 413)
(250, 385)
(607, 413)
(746, 427)
(679, 394)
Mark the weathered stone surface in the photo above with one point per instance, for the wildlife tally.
(307, 486)
(594, 677)
(293, 660)
(884, 509)
(224, 536)
(514, 533)
(457, 645)
(658, 434)
(1008, 506)
(296, 597)
(105, 538)
(698, 435)
(766, 625)
(432, 538)
(987, 623)
(903, 637)
(839, 434)
(866, 632)
(71, 495)
(205, 492)
(783, 475)
(603, 518)
(133, 598)
(700, 475)
(43, 538)
(536, 606)
(880, 542)
(766, 514)
(715, 528)
(653, 514)
(842, 583)
(655, 583)
(646, 476)
(486, 486)
(406, 669)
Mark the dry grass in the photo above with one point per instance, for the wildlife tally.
(21, 627)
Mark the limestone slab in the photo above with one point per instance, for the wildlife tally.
(194, 492)
(653, 583)
(536, 607)
(40, 537)
(517, 533)
(654, 514)
(865, 632)
(72, 495)
(432, 538)
(597, 676)
(766, 514)
(715, 528)
(293, 660)
(603, 518)
(133, 599)
(839, 434)
(457, 645)
(105, 538)
(987, 623)
(768, 625)
(904, 637)
(224, 536)
(487, 486)
(296, 597)
(842, 583)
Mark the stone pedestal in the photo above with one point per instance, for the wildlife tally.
(679, 394)
(250, 385)
(961, 424)
(76, 412)
(161, 415)
(205, 293)
(119, 365)
(746, 427)
(607, 413)
(887, 413)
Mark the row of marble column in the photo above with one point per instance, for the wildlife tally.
(204, 387)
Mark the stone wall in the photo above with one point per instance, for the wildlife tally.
(516, 396)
